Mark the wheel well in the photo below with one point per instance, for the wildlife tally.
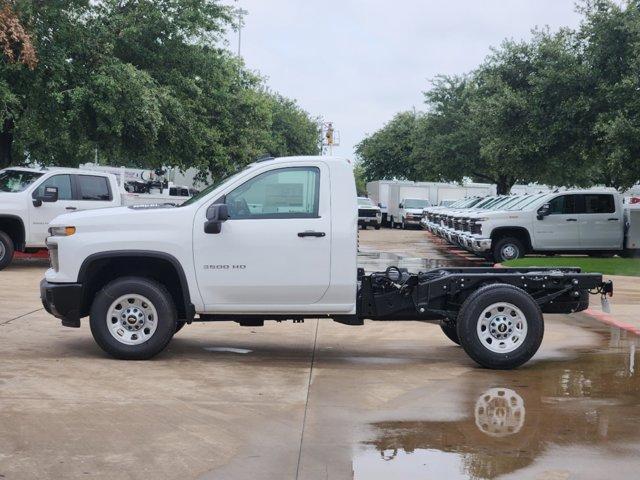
(14, 227)
(516, 232)
(96, 273)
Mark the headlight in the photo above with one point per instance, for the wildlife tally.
(62, 231)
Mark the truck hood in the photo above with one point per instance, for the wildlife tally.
(369, 207)
(414, 211)
(117, 217)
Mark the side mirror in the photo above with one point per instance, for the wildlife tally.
(50, 196)
(543, 211)
(216, 214)
(400, 206)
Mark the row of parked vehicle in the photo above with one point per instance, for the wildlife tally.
(507, 227)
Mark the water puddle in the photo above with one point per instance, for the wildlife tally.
(576, 418)
(378, 261)
(227, 349)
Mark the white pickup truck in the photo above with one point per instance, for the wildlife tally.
(576, 221)
(278, 241)
(30, 198)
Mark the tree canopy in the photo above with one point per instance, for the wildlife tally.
(139, 82)
(561, 108)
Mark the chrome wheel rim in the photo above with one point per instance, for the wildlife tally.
(3, 250)
(500, 412)
(132, 319)
(502, 327)
(510, 251)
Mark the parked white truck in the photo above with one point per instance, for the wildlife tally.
(30, 198)
(590, 222)
(368, 214)
(278, 241)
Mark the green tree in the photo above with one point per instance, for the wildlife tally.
(142, 83)
(386, 154)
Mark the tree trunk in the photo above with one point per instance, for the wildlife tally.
(6, 144)
(503, 185)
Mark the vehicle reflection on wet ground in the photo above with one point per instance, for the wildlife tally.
(575, 418)
(378, 261)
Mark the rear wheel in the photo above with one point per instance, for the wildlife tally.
(500, 326)
(508, 248)
(377, 227)
(133, 318)
(6, 250)
(450, 329)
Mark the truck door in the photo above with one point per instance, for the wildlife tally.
(559, 230)
(274, 250)
(39, 217)
(601, 226)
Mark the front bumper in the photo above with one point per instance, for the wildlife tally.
(369, 220)
(478, 244)
(62, 300)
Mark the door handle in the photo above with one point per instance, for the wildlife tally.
(71, 208)
(310, 233)
(612, 219)
(572, 219)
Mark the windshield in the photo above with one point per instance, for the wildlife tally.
(364, 201)
(413, 203)
(212, 187)
(528, 201)
(16, 180)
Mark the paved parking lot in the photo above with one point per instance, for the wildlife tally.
(312, 401)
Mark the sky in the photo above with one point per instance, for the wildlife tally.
(357, 63)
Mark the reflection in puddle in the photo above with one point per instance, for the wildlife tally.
(377, 261)
(581, 416)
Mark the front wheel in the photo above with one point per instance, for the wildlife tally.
(133, 318)
(508, 248)
(500, 326)
(6, 250)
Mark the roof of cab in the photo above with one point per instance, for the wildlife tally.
(58, 170)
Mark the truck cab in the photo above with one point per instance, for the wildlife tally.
(30, 198)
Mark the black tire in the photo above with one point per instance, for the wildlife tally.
(180, 325)
(450, 329)
(377, 227)
(502, 249)
(159, 297)
(6, 250)
(403, 225)
(470, 314)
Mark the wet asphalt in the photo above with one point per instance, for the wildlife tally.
(390, 400)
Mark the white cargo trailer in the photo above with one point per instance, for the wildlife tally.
(388, 194)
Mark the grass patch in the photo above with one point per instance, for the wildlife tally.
(607, 266)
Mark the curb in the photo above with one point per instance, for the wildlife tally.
(601, 316)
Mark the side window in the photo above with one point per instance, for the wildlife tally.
(282, 193)
(598, 203)
(63, 182)
(563, 205)
(92, 187)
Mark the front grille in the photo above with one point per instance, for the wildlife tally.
(367, 213)
(465, 224)
(476, 228)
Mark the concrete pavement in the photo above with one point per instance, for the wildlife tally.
(310, 401)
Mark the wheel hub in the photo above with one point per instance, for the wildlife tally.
(509, 251)
(502, 327)
(132, 319)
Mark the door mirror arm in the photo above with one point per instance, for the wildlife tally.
(216, 215)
